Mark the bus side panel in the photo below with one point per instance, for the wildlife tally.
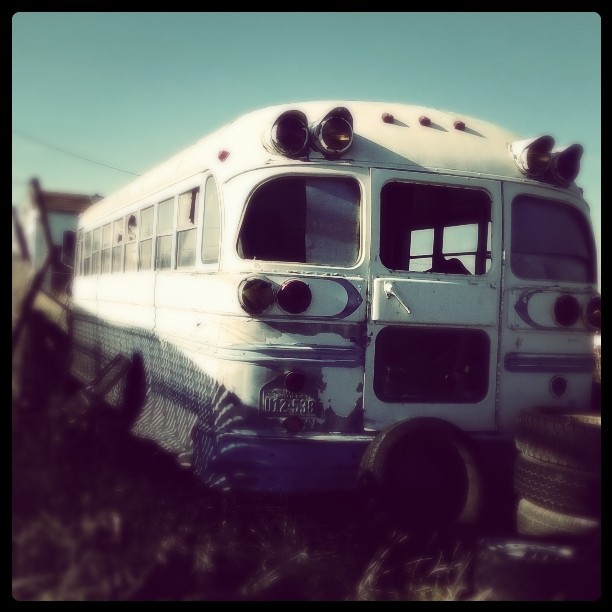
(127, 299)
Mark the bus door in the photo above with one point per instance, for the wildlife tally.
(434, 291)
(546, 349)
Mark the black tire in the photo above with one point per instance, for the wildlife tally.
(422, 473)
(561, 489)
(534, 520)
(530, 571)
(560, 436)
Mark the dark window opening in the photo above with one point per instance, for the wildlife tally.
(68, 248)
(435, 228)
(551, 241)
(130, 263)
(193, 207)
(131, 228)
(431, 365)
(303, 219)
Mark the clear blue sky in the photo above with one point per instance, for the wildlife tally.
(129, 90)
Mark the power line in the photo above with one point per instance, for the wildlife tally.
(50, 146)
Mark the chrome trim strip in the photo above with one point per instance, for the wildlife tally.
(302, 437)
(547, 362)
(334, 356)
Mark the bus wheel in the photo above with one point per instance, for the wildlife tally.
(422, 473)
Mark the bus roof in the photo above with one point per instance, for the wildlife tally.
(444, 145)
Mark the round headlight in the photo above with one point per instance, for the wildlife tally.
(567, 310)
(290, 134)
(336, 135)
(333, 135)
(255, 294)
(533, 156)
(294, 296)
(536, 160)
(565, 164)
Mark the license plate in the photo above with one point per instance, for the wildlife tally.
(281, 403)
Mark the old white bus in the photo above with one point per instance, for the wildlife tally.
(322, 292)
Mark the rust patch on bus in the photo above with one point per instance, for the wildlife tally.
(351, 423)
(348, 331)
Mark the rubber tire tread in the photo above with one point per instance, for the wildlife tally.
(558, 488)
(374, 462)
(560, 436)
(534, 520)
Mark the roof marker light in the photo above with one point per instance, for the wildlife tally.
(532, 156)
(423, 120)
(223, 155)
(565, 164)
(388, 118)
(459, 125)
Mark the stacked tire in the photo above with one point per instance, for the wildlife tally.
(557, 474)
(557, 480)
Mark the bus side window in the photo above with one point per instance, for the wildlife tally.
(95, 251)
(117, 254)
(211, 225)
(187, 228)
(145, 248)
(163, 241)
(87, 254)
(78, 271)
(106, 249)
(131, 246)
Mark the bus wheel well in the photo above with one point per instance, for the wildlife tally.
(423, 472)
